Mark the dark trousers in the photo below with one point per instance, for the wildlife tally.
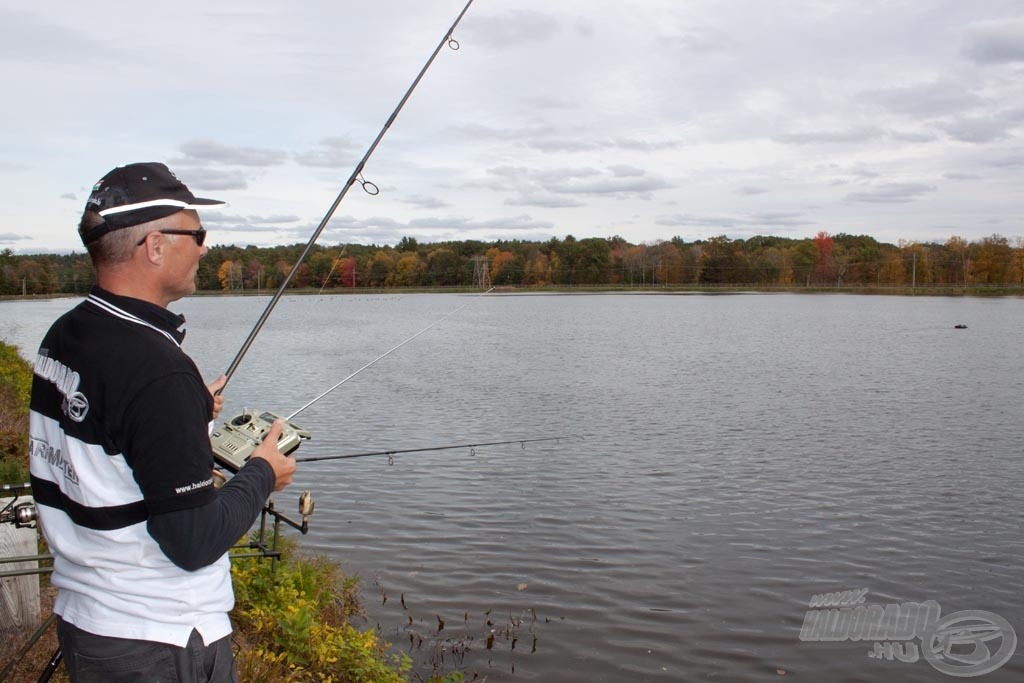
(90, 658)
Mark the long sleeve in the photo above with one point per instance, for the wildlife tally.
(197, 537)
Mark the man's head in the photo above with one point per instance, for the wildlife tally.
(143, 233)
(129, 197)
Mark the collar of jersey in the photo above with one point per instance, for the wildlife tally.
(140, 312)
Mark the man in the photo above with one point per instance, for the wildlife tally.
(120, 453)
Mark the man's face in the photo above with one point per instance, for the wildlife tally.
(183, 254)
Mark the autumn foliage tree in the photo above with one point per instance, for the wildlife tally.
(825, 268)
(230, 275)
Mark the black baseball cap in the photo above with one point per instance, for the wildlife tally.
(135, 194)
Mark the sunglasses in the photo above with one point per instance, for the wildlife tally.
(199, 235)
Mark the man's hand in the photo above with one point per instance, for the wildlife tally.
(215, 388)
(284, 466)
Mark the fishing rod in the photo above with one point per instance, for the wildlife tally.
(237, 437)
(368, 186)
(399, 451)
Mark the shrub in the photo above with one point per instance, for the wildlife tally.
(294, 622)
(15, 387)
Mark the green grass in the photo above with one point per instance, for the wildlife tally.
(295, 623)
(15, 386)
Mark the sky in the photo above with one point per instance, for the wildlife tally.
(898, 119)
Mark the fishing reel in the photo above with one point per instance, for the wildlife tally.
(235, 440)
(21, 515)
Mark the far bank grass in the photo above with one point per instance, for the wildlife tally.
(973, 290)
(883, 290)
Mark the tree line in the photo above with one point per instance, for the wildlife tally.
(821, 261)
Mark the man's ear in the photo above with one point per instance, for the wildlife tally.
(154, 248)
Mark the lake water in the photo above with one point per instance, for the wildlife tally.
(729, 458)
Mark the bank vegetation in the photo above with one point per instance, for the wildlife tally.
(824, 261)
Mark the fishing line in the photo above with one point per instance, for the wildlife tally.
(334, 264)
(357, 176)
(389, 352)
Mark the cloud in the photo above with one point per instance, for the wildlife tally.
(548, 139)
(1014, 114)
(746, 224)
(513, 28)
(24, 33)
(222, 222)
(551, 102)
(780, 218)
(1014, 159)
(861, 172)
(228, 228)
(558, 175)
(750, 190)
(928, 100)
(423, 202)
(954, 175)
(13, 237)
(508, 171)
(536, 187)
(891, 193)
(913, 136)
(211, 179)
(210, 151)
(553, 144)
(480, 131)
(626, 171)
(69, 195)
(642, 145)
(542, 200)
(275, 219)
(993, 42)
(976, 129)
(852, 134)
(520, 222)
(334, 152)
(583, 26)
(639, 187)
(701, 41)
(349, 223)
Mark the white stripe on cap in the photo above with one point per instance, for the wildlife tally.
(156, 202)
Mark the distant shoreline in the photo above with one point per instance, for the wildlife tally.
(1004, 290)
